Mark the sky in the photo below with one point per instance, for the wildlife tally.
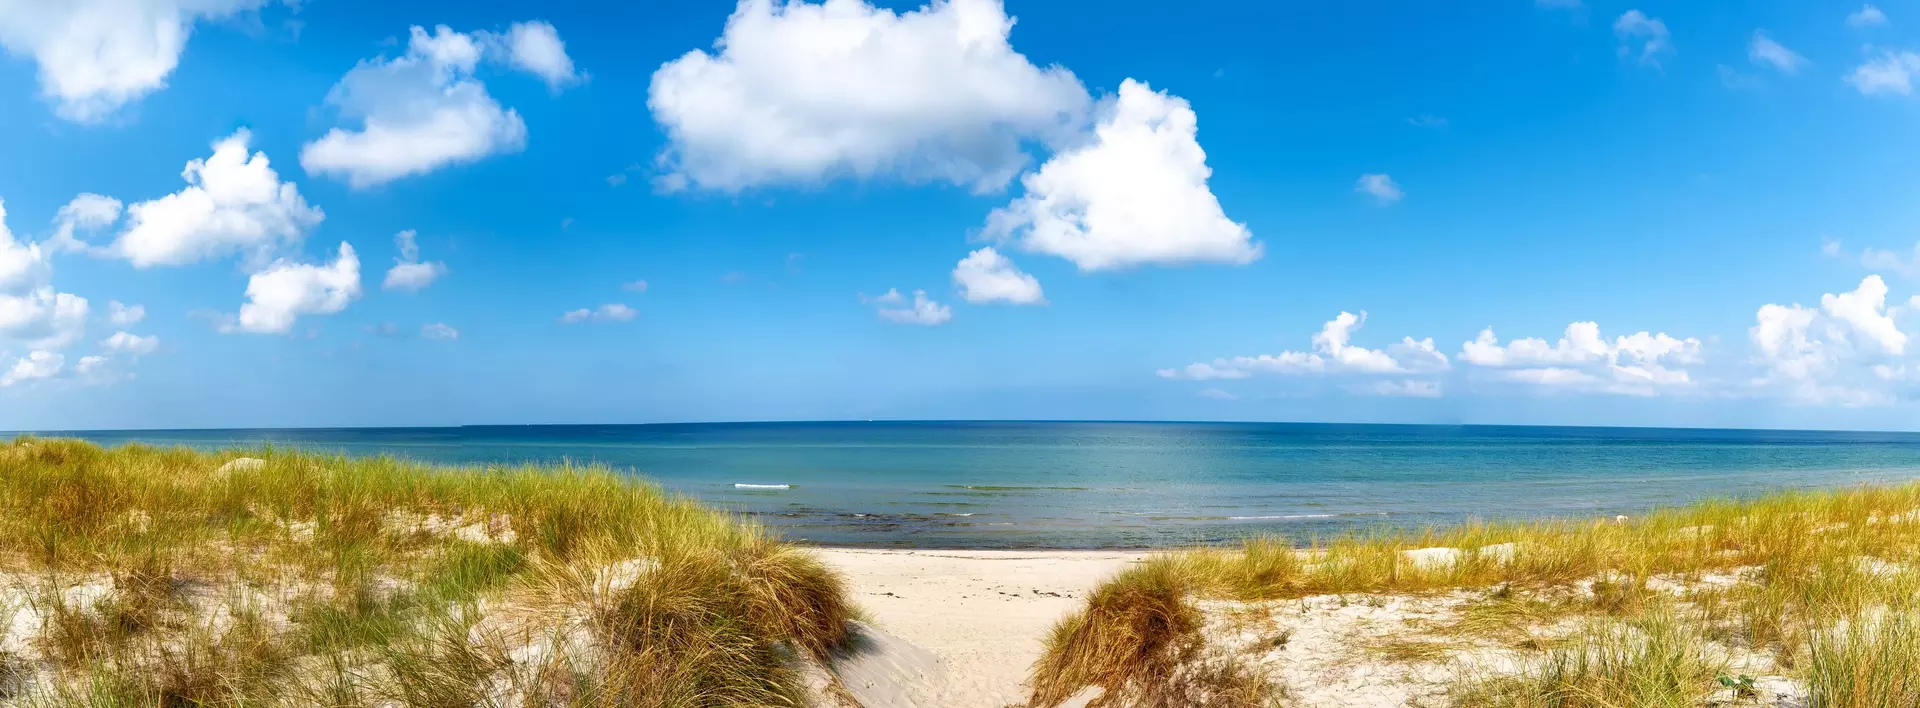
(267, 213)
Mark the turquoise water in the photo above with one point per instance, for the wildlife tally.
(1140, 484)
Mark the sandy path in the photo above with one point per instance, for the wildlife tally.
(983, 613)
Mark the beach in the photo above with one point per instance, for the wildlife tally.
(982, 614)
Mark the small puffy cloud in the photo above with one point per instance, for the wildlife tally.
(535, 47)
(802, 93)
(86, 212)
(233, 202)
(425, 109)
(922, 311)
(24, 267)
(89, 365)
(1642, 37)
(438, 330)
(279, 295)
(1135, 194)
(1889, 72)
(39, 364)
(610, 312)
(42, 318)
(1864, 312)
(122, 314)
(1382, 187)
(1866, 16)
(31, 311)
(986, 276)
(96, 56)
(1333, 353)
(1642, 363)
(1764, 51)
(638, 286)
(124, 342)
(408, 273)
(1848, 351)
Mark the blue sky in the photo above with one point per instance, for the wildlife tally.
(1690, 214)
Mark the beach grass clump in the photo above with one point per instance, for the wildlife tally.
(1770, 575)
(1654, 662)
(1869, 661)
(166, 576)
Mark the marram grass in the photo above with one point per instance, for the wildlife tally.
(142, 576)
(1783, 575)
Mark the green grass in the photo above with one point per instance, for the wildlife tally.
(1786, 569)
(317, 580)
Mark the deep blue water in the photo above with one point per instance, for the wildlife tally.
(1017, 484)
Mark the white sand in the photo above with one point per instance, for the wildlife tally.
(960, 629)
(981, 613)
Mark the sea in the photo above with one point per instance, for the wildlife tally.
(1136, 485)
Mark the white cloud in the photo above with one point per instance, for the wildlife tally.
(86, 212)
(802, 93)
(30, 310)
(438, 330)
(1764, 51)
(1864, 311)
(408, 273)
(1333, 353)
(1649, 33)
(24, 267)
(986, 276)
(1866, 16)
(425, 110)
(89, 365)
(96, 56)
(610, 312)
(1889, 73)
(535, 47)
(922, 311)
(1382, 187)
(40, 364)
(232, 202)
(638, 286)
(1883, 259)
(42, 318)
(1412, 388)
(122, 314)
(1135, 194)
(1549, 376)
(1642, 363)
(128, 343)
(277, 296)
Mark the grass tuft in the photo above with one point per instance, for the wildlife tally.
(176, 577)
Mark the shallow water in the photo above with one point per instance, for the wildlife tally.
(1013, 484)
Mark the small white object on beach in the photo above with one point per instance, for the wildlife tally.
(1621, 519)
(241, 464)
(740, 485)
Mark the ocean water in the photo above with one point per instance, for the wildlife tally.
(1075, 485)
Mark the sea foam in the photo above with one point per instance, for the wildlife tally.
(738, 485)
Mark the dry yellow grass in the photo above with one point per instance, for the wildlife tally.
(1772, 575)
(143, 577)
